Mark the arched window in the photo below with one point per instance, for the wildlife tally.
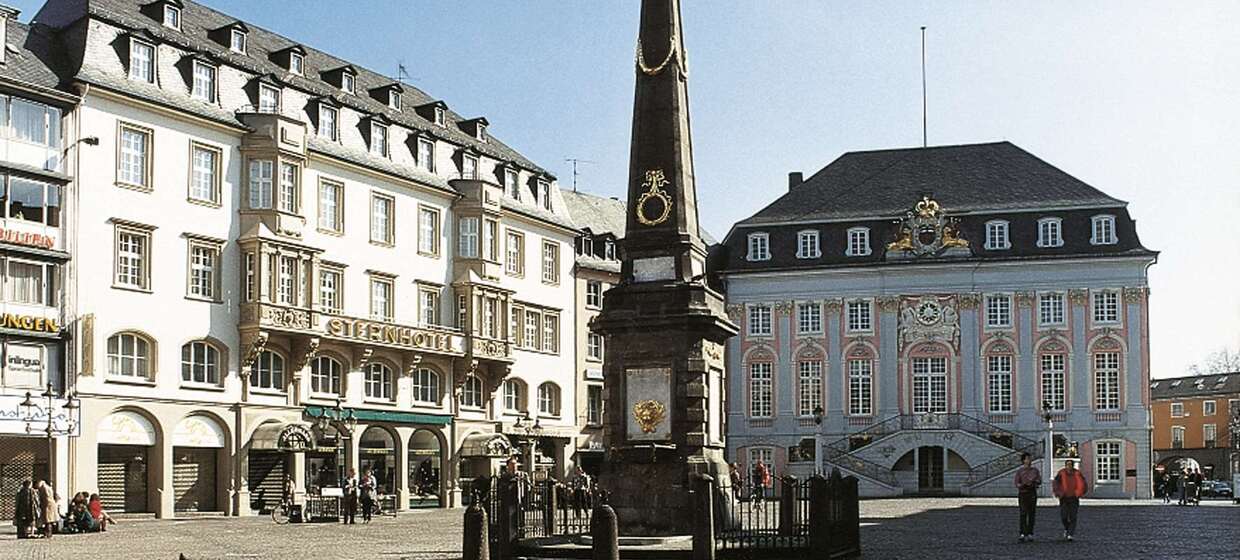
(200, 363)
(267, 371)
(426, 386)
(129, 355)
(471, 392)
(514, 395)
(325, 376)
(549, 399)
(379, 381)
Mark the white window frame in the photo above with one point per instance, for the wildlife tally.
(204, 361)
(594, 294)
(296, 63)
(427, 386)
(126, 274)
(1107, 380)
(266, 92)
(426, 154)
(469, 166)
(379, 139)
(808, 246)
(859, 316)
(760, 321)
(267, 372)
(998, 311)
(809, 387)
(858, 242)
(1053, 377)
(428, 231)
(468, 232)
(930, 388)
(331, 207)
(1177, 410)
(480, 132)
(331, 289)
(1102, 230)
(997, 235)
(382, 222)
(514, 253)
(143, 365)
(471, 393)
(512, 183)
(348, 82)
(1209, 436)
(809, 318)
(204, 86)
(550, 262)
(238, 41)
(761, 394)
(428, 305)
(378, 381)
(1177, 437)
(999, 375)
(549, 399)
(441, 116)
(200, 174)
(172, 17)
(1209, 408)
(326, 376)
(1052, 309)
(393, 100)
(1106, 307)
(382, 305)
(329, 128)
(594, 347)
(594, 405)
(860, 387)
(1050, 232)
(202, 279)
(514, 395)
(145, 72)
(1108, 465)
(544, 194)
(288, 279)
(759, 247)
(288, 197)
(551, 333)
(130, 161)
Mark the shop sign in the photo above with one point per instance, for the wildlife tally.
(29, 239)
(13, 416)
(23, 366)
(30, 323)
(394, 335)
(295, 437)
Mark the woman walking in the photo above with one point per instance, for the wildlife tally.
(48, 512)
(26, 511)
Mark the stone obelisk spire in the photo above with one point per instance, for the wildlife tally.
(662, 201)
(665, 328)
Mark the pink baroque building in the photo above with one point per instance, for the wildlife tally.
(922, 317)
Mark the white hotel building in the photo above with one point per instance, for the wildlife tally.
(264, 231)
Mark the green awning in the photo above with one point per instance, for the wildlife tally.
(392, 416)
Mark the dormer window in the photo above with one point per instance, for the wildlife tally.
(268, 99)
(511, 185)
(141, 61)
(480, 132)
(426, 154)
(469, 166)
(296, 63)
(440, 116)
(379, 139)
(346, 82)
(204, 82)
(807, 245)
(1103, 231)
(237, 41)
(328, 121)
(544, 193)
(997, 235)
(1050, 232)
(609, 250)
(759, 247)
(394, 100)
(172, 17)
(858, 242)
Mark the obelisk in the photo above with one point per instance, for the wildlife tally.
(664, 364)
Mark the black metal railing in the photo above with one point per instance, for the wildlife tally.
(792, 518)
(855, 464)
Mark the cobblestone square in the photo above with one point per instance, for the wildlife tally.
(898, 528)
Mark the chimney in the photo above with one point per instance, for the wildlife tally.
(795, 179)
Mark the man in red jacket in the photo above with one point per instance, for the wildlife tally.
(1069, 486)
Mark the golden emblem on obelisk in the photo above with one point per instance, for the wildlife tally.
(654, 192)
(649, 414)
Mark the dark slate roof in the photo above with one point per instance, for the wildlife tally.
(974, 177)
(1217, 384)
(604, 215)
(197, 21)
(28, 58)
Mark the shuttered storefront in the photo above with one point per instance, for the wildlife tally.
(21, 458)
(194, 479)
(266, 477)
(122, 478)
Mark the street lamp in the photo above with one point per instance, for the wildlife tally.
(345, 421)
(527, 442)
(1049, 446)
(31, 410)
(818, 463)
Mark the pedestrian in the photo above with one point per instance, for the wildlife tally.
(1184, 484)
(368, 491)
(350, 498)
(1163, 488)
(1028, 480)
(581, 485)
(49, 513)
(26, 510)
(761, 478)
(735, 477)
(1198, 479)
(101, 515)
(1069, 486)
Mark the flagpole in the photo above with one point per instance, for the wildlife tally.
(924, 142)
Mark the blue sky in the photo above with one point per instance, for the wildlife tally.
(1141, 100)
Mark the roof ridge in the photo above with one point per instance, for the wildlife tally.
(863, 181)
(926, 148)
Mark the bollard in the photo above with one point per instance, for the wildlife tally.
(549, 505)
(604, 534)
(476, 543)
(703, 517)
(787, 506)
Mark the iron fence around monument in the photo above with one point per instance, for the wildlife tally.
(814, 518)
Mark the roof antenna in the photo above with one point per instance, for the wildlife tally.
(575, 161)
(924, 142)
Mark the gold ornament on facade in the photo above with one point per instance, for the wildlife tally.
(649, 414)
(654, 184)
(926, 230)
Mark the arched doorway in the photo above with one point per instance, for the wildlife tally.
(377, 452)
(931, 470)
(125, 440)
(425, 463)
(197, 443)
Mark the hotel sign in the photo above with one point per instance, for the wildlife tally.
(395, 335)
(29, 239)
(29, 323)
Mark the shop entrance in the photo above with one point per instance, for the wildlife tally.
(425, 459)
(21, 458)
(930, 469)
(193, 479)
(266, 478)
(323, 464)
(123, 477)
(377, 452)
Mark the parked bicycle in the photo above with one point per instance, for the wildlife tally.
(280, 514)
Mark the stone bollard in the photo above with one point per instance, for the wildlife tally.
(703, 517)
(476, 543)
(604, 534)
(787, 506)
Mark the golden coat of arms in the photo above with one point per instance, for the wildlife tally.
(649, 414)
(654, 196)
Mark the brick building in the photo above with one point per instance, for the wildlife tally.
(1190, 421)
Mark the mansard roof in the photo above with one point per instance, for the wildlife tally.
(991, 177)
(1191, 386)
(29, 61)
(603, 215)
(197, 23)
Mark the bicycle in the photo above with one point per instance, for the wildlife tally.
(280, 513)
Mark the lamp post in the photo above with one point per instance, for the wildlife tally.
(1049, 446)
(527, 442)
(818, 463)
(30, 410)
(345, 422)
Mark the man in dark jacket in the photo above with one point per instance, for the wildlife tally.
(26, 510)
(1028, 479)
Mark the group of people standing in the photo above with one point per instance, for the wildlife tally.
(1069, 485)
(363, 491)
(1188, 485)
(37, 512)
